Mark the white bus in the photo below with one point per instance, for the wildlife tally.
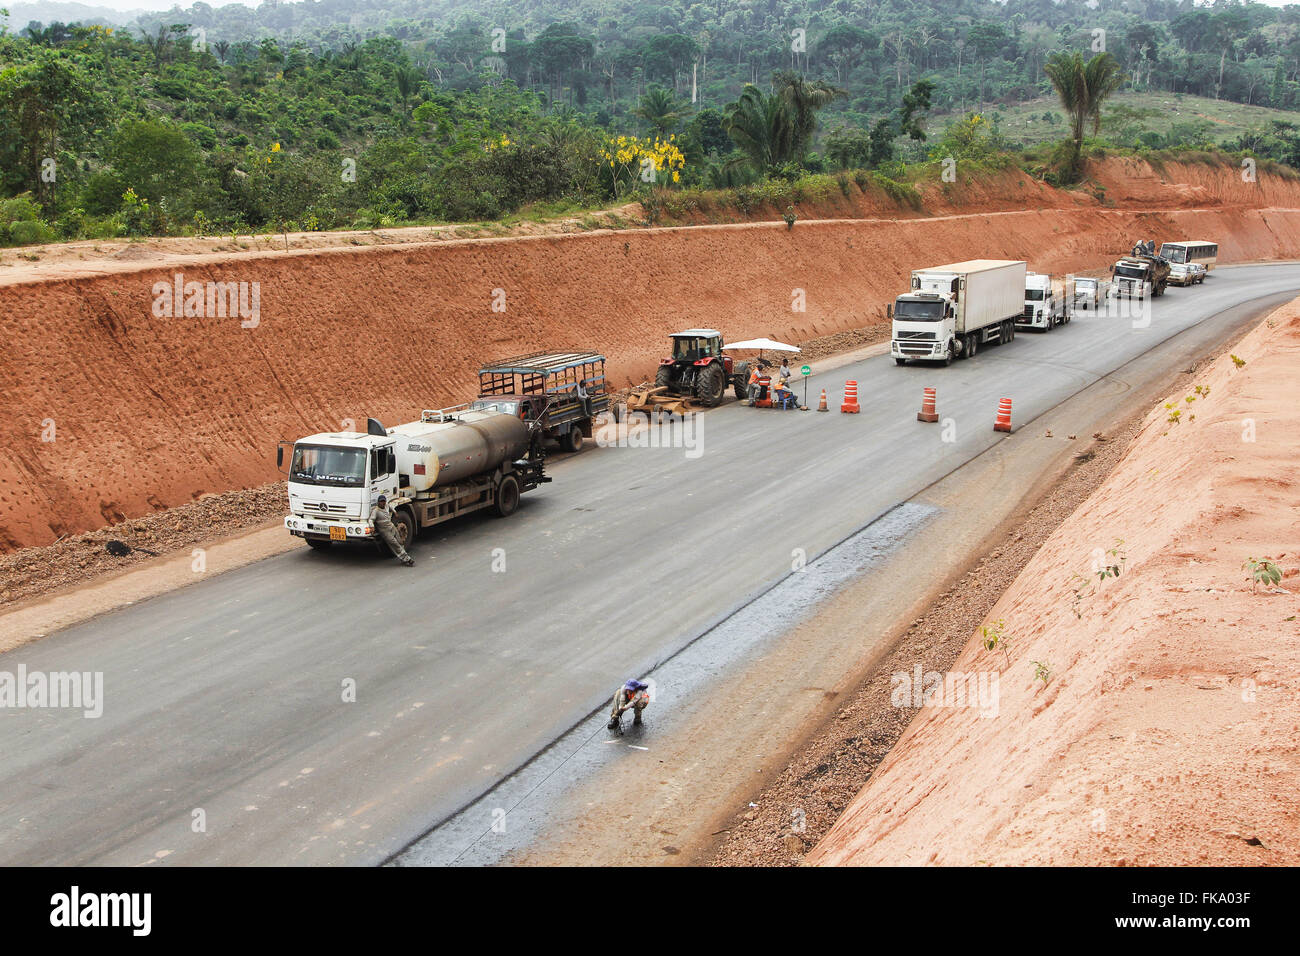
(1190, 261)
(1191, 250)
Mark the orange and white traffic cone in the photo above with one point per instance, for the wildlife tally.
(850, 398)
(821, 407)
(927, 412)
(1003, 424)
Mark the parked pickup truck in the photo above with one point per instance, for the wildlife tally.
(542, 388)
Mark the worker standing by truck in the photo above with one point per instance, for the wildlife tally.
(381, 516)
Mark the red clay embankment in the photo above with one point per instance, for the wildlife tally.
(149, 412)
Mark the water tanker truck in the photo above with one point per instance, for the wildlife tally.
(449, 463)
(952, 310)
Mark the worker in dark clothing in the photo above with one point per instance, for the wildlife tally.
(632, 695)
(584, 398)
(381, 516)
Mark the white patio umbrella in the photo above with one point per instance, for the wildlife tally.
(761, 344)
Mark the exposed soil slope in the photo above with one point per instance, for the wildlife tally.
(150, 412)
(1167, 731)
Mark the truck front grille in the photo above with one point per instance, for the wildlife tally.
(925, 336)
(321, 508)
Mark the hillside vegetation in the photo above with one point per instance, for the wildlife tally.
(320, 115)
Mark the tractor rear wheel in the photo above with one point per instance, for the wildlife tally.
(740, 380)
(665, 377)
(710, 384)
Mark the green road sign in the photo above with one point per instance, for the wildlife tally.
(806, 370)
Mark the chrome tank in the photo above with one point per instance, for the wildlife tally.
(435, 453)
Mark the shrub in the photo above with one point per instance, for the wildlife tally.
(27, 232)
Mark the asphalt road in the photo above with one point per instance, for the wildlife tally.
(226, 737)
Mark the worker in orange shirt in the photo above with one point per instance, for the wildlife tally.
(755, 389)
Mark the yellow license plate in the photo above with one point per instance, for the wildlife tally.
(338, 534)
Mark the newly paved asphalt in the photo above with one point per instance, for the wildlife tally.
(226, 737)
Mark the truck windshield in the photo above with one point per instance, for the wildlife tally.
(910, 311)
(691, 349)
(328, 465)
(1033, 295)
(1174, 253)
(496, 405)
(1130, 272)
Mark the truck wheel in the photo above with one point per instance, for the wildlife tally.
(508, 496)
(573, 438)
(664, 376)
(404, 526)
(899, 361)
(740, 381)
(317, 544)
(710, 385)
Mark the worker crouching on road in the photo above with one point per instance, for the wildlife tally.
(634, 696)
(381, 516)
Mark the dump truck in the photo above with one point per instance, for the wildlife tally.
(1141, 274)
(1044, 309)
(449, 463)
(542, 388)
(953, 309)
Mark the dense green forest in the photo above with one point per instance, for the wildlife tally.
(333, 113)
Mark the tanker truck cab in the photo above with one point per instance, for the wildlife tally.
(334, 479)
(450, 462)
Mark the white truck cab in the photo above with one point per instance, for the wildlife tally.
(334, 480)
(1043, 308)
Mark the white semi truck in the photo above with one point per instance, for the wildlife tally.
(449, 463)
(952, 310)
(1044, 309)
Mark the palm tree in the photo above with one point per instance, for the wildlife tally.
(803, 98)
(660, 110)
(761, 126)
(408, 80)
(1082, 88)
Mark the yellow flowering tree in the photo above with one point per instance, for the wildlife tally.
(629, 162)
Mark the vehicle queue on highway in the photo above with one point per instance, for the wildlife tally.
(486, 453)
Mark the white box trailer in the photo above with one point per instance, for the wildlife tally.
(953, 309)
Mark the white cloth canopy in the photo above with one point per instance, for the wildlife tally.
(762, 344)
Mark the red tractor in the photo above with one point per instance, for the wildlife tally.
(699, 369)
